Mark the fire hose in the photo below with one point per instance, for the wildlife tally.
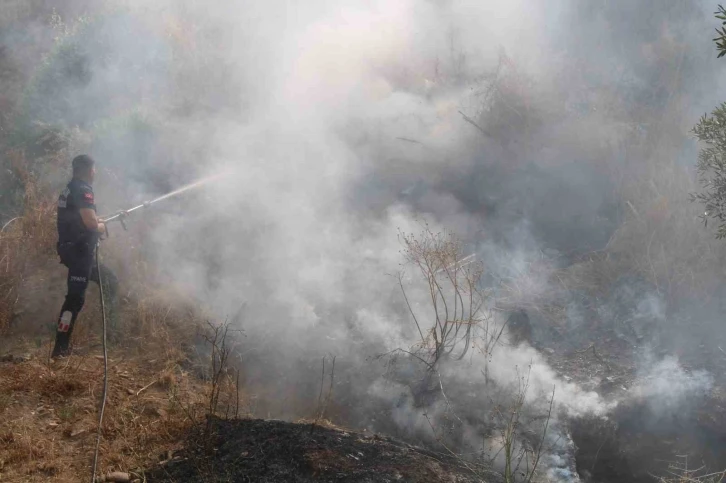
(120, 216)
(105, 363)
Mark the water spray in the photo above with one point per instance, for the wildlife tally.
(121, 215)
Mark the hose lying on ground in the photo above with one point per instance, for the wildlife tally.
(105, 365)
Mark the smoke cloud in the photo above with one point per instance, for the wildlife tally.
(510, 123)
(666, 386)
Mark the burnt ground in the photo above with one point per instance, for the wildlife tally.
(643, 436)
(638, 440)
(254, 450)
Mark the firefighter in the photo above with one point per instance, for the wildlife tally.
(79, 231)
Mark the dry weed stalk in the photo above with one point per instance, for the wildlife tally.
(680, 472)
(216, 337)
(521, 456)
(522, 449)
(323, 403)
(456, 298)
(224, 381)
(456, 320)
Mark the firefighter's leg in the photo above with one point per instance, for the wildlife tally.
(78, 276)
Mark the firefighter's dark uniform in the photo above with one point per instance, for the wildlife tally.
(76, 248)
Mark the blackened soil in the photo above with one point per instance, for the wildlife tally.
(635, 444)
(277, 451)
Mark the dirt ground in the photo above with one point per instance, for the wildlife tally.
(49, 410)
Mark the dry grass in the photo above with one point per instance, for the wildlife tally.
(157, 393)
(26, 239)
(49, 411)
(662, 236)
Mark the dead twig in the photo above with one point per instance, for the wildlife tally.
(236, 408)
(597, 453)
(591, 346)
(538, 452)
(9, 222)
(146, 387)
(594, 354)
(410, 140)
(473, 123)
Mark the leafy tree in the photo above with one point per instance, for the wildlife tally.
(711, 130)
(721, 39)
(712, 167)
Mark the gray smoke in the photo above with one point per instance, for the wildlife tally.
(508, 123)
(668, 388)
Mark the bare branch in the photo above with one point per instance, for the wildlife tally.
(473, 123)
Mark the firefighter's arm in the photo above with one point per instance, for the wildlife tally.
(91, 221)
